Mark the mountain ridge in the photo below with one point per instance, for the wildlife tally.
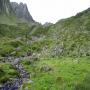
(21, 11)
(17, 12)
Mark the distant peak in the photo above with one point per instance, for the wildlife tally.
(21, 11)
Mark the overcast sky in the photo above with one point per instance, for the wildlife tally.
(54, 10)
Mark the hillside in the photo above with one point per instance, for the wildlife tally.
(43, 57)
(70, 37)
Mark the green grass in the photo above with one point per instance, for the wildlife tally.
(8, 19)
(65, 74)
(8, 46)
(7, 72)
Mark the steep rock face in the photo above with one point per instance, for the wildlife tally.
(21, 11)
(5, 7)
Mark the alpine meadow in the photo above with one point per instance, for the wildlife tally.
(43, 57)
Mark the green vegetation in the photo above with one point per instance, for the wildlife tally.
(39, 45)
(8, 19)
(58, 74)
(7, 72)
(72, 35)
(64, 47)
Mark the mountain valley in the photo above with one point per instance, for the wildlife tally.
(43, 57)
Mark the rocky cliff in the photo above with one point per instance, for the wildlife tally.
(5, 7)
(13, 9)
(21, 11)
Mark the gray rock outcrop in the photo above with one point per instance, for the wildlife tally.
(21, 11)
(5, 7)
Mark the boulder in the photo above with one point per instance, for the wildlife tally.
(45, 68)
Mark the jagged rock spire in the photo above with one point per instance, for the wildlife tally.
(21, 11)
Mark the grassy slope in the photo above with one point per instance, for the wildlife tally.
(9, 20)
(14, 36)
(71, 35)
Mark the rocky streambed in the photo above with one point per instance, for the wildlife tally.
(15, 83)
